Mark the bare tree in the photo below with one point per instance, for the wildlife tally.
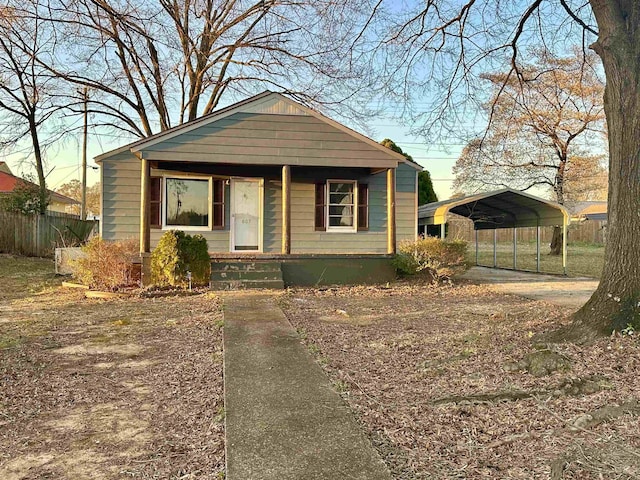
(73, 189)
(540, 123)
(152, 65)
(442, 46)
(29, 96)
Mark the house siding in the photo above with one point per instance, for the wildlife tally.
(121, 209)
(264, 139)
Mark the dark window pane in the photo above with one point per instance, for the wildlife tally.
(341, 221)
(187, 202)
(341, 205)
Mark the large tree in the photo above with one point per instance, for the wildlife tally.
(540, 123)
(153, 65)
(73, 189)
(426, 193)
(29, 97)
(441, 46)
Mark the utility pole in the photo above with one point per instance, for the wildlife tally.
(83, 201)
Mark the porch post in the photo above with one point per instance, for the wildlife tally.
(145, 206)
(391, 210)
(286, 209)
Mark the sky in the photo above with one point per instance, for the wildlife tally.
(64, 163)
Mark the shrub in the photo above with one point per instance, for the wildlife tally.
(436, 258)
(175, 255)
(106, 265)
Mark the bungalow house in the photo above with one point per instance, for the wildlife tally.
(9, 182)
(266, 179)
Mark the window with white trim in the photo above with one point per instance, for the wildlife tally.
(341, 206)
(187, 203)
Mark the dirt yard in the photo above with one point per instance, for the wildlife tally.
(439, 379)
(106, 389)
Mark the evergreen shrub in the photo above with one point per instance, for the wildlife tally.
(178, 253)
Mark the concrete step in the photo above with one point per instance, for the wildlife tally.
(248, 265)
(229, 275)
(246, 284)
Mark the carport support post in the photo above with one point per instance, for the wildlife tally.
(442, 230)
(538, 248)
(515, 246)
(476, 231)
(564, 246)
(495, 252)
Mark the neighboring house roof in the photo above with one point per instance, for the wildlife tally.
(589, 210)
(264, 103)
(506, 208)
(9, 182)
(5, 168)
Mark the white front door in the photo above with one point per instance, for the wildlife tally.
(246, 214)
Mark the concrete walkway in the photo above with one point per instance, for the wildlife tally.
(283, 419)
(563, 291)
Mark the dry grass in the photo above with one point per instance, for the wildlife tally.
(394, 354)
(106, 389)
(582, 260)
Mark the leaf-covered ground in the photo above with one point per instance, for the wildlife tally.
(106, 389)
(433, 376)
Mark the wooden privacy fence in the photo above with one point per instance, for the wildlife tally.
(39, 235)
(588, 231)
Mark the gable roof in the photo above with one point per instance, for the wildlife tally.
(9, 182)
(264, 103)
(5, 168)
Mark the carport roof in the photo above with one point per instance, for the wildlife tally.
(504, 208)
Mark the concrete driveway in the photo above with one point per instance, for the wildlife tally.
(564, 291)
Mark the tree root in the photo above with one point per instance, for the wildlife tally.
(570, 388)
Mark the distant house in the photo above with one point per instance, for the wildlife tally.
(264, 178)
(9, 182)
(588, 210)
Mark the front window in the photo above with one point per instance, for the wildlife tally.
(187, 202)
(341, 203)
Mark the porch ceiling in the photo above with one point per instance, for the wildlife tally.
(257, 170)
(273, 160)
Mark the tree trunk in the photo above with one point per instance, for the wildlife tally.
(37, 153)
(615, 303)
(556, 241)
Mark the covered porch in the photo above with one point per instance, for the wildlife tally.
(253, 211)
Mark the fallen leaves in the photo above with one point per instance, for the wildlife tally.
(109, 388)
(427, 343)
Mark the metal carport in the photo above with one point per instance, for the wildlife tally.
(504, 208)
